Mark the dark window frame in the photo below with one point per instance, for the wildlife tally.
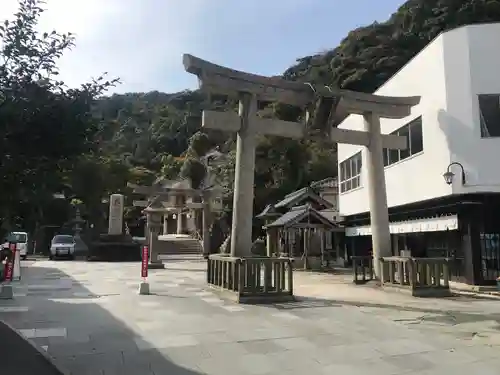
(415, 144)
(489, 115)
(350, 167)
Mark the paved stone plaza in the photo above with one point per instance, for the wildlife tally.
(90, 318)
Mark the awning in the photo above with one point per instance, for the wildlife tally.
(434, 224)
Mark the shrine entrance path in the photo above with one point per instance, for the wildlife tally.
(90, 318)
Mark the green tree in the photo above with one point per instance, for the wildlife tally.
(44, 127)
(143, 128)
(171, 167)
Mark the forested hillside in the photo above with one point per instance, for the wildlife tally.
(152, 129)
(142, 136)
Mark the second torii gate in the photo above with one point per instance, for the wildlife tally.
(210, 203)
(250, 88)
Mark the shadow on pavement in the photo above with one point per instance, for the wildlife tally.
(19, 356)
(93, 341)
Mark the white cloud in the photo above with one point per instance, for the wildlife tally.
(131, 39)
(142, 41)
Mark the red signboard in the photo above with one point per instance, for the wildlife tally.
(145, 259)
(9, 267)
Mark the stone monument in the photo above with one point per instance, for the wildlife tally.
(115, 223)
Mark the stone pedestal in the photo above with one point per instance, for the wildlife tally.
(419, 277)
(156, 266)
(240, 279)
(144, 288)
(6, 292)
(154, 261)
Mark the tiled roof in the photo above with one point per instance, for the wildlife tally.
(155, 204)
(325, 183)
(291, 197)
(267, 212)
(298, 213)
(287, 218)
(307, 191)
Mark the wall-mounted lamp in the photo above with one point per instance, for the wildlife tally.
(174, 216)
(448, 175)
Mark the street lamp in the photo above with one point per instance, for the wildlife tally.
(448, 175)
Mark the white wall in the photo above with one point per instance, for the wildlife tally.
(413, 178)
(331, 195)
(472, 58)
(450, 121)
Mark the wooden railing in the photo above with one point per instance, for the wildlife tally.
(422, 277)
(362, 268)
(253, 279)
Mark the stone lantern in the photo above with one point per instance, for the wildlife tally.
(78, 222)
(154, 215)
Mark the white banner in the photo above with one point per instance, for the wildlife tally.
(434, 224)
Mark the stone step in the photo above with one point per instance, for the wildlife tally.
(186, 246)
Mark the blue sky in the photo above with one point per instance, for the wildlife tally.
(142, 41)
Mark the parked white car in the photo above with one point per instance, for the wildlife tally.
(62, 245)
(21, 240)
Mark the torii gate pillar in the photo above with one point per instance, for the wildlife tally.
(241, 230)
(377, 192)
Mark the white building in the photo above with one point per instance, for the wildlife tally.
(457, 121)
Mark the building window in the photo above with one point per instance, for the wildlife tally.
(490, 255)
(489, 112)
(413, 133)
(350, 173)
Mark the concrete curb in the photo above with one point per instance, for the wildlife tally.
(486, 295)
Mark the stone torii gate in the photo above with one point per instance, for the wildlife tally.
(333, 105)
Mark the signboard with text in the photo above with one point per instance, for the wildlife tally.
(9, 267)
(145, 260)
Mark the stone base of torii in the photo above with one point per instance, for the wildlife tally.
(241, 275)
